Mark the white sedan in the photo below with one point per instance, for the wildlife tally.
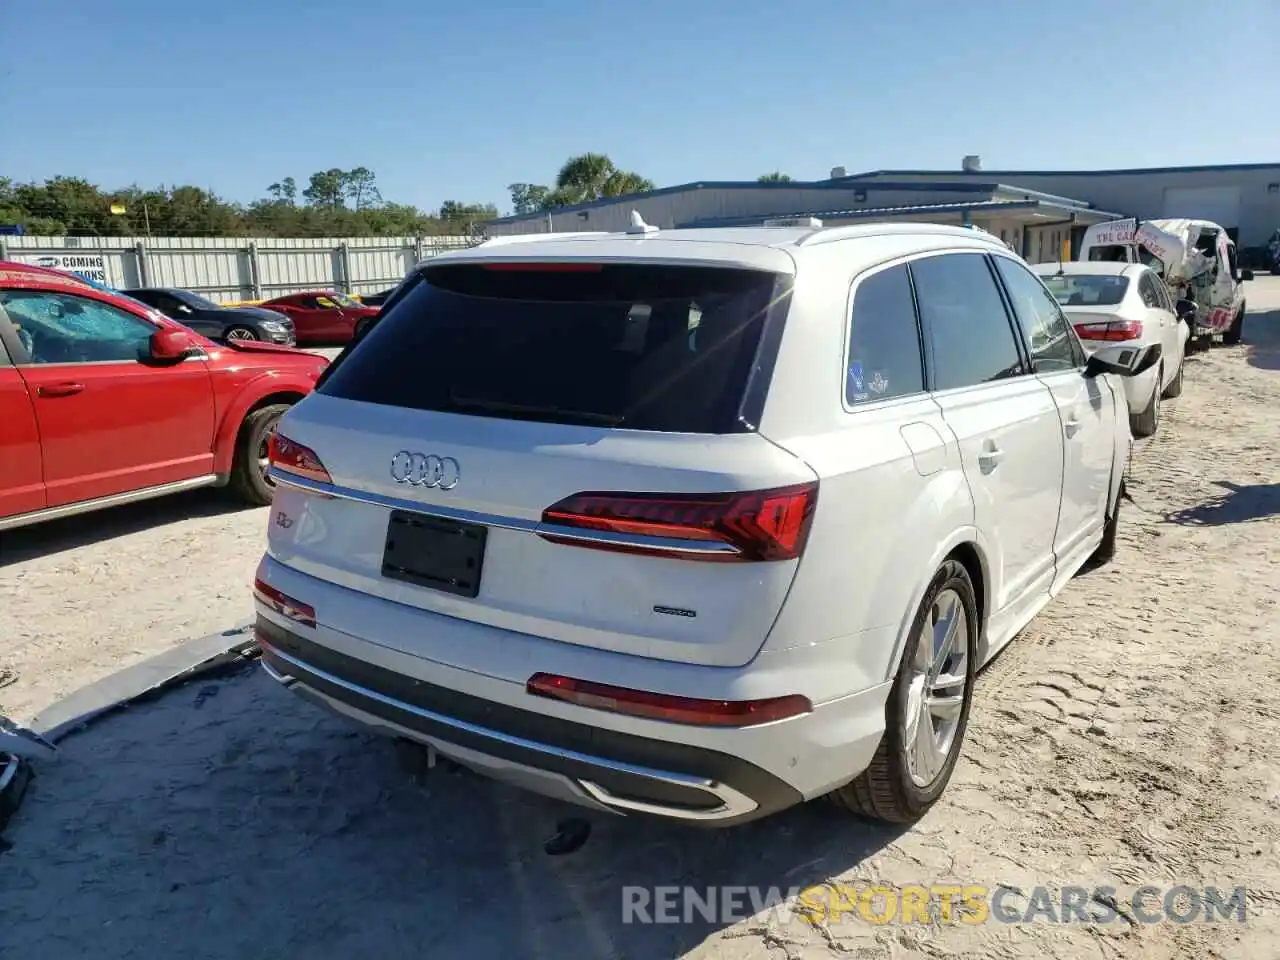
(1125, 303)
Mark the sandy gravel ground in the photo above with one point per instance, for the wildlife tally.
(1129, 737)
(83, 597)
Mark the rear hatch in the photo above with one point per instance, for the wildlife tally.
(560, 449)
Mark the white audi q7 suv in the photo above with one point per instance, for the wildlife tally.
(694, 523)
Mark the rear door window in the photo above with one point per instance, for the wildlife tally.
(642, 347)
(884, 343)
(968, 332)
(1148, 292)
(1049, 339)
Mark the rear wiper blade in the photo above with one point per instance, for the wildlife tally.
(526, 410)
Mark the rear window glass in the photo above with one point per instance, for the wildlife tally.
(1084, 290)
(1109, 254)
(641, 347)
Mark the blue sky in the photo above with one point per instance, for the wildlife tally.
(454, 100)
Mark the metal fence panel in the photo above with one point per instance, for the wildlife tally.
(237, 269)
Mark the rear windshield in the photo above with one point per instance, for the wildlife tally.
(1081, 290)
(641, 347)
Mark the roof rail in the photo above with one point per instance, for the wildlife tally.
(531, 237)
(812, 222)
(893, 228)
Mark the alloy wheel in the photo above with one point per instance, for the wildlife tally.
(936, 688)
(264, 448)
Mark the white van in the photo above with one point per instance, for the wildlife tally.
(1196, 258)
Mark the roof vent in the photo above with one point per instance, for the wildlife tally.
(813, 222)
(971, 164)
(837, 173)
(639, 226)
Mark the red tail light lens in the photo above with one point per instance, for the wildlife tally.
(1114, 330)
(283, 604)
(759, 525)
(657, 706)
(290, 457)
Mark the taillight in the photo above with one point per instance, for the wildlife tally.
(283, 604)
(758, 525)
(1110, 330)
(290, 457)
(658, 706)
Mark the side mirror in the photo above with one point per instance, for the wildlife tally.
(1246, 275)
(1186, 310)
(169, 346)
(1123, 361)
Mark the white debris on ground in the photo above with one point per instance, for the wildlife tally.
(1130, 737)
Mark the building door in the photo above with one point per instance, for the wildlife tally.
(1220, 205)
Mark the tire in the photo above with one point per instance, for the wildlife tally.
(1147, 422)
(1106, 551)
(248, 478)
(361, 328)
(241, 333)
(1174, 389)
(1231, 336)
(893, 788)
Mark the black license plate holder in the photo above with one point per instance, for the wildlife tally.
(435, 552)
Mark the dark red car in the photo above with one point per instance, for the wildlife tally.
(104, 401)
(322, 317)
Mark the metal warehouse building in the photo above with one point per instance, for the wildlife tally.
(1039, 213)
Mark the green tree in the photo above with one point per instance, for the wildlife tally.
(592, 176)
(285, 191)
(528, 197)
(466, 214)
(71, 205)
(327, 188)
(75, 203)
(360, 188)
(776, 177)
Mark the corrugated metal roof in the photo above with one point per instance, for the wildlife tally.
(957, 207)
(942, 174)
(870, 213)
(970, 185)
(920, 186)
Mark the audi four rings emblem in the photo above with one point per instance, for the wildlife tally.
(425, 470)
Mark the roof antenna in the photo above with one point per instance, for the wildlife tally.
(639, 226)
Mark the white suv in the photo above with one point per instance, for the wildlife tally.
(694, 523)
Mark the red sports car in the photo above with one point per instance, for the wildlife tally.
(105, 401)
(322, 317)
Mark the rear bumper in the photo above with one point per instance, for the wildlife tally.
(1137, 390)
(595, 767)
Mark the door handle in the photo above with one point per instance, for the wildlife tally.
(990, 458)
(66, 388)
(1072, 426)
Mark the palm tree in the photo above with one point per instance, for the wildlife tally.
(592, 176)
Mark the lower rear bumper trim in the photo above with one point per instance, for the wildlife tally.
(715, 801)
